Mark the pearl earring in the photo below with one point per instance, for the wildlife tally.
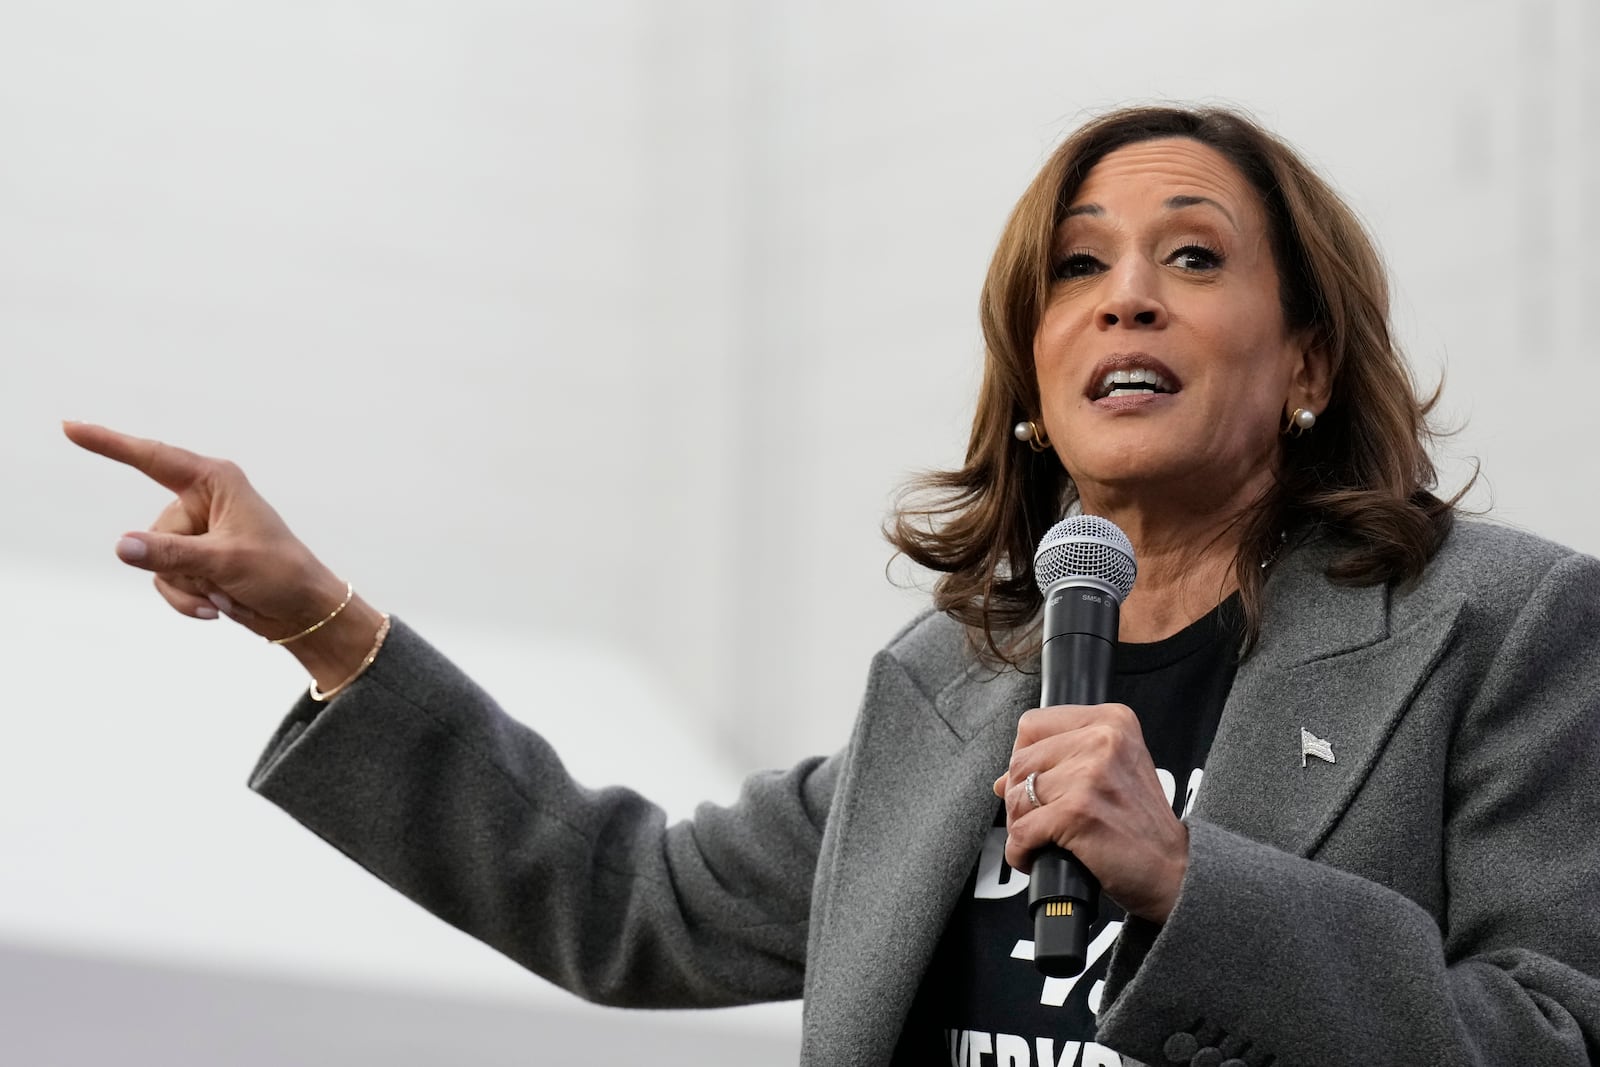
(1032, 433)
(1300, 421)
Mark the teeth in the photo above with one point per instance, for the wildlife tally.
(1138, 376)
(1131, 392)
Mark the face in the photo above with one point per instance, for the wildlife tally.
(1164, 364)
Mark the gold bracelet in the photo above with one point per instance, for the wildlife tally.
(349, 591)
(377, 643)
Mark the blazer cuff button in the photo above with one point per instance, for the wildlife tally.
(1207, 1057)
(1180, 1048)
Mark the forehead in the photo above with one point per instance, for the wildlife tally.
(1144, 176)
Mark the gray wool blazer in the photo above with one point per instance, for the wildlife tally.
(1428, 898)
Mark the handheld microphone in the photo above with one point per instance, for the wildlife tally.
(1084, 566)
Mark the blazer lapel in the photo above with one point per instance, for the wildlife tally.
(1329, 670)
(920, 803)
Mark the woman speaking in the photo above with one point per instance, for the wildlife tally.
(1342, 799)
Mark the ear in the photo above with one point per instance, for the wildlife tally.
(1311, 382)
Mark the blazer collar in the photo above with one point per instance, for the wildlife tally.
(1331, 668)
(1329, 662)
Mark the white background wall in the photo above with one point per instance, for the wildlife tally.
(593, 339)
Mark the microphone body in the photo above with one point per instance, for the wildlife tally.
(1081, 617)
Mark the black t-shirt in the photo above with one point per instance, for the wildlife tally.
(982, 1002)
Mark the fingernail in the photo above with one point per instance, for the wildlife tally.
(223, 603)
(205, 611)
(131, 550)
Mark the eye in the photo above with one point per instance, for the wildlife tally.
(1196, 257)
(1076, 265)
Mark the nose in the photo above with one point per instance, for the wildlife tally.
(1130, 299)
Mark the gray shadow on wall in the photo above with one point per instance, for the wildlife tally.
(63, 1010)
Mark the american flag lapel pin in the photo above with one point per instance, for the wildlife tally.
(1312, 745)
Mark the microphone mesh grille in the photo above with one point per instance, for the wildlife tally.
(1085, 546)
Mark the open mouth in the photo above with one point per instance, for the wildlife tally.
(1132, 381)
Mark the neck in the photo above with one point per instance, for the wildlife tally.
(1186, 560)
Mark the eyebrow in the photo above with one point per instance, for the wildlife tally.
(1172, 203)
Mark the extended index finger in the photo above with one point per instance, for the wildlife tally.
(173, 467)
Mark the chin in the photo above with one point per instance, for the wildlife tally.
(1154, 474)
(1162, 479)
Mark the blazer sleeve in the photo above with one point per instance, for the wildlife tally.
(1273, 958)
(418, 776)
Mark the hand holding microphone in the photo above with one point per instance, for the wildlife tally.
(1097, 815)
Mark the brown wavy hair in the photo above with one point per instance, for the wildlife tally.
(1363, 475)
